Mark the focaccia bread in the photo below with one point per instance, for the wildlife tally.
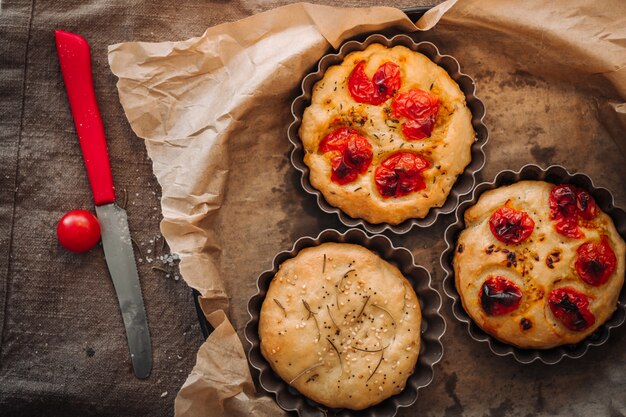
(539, 265)
(341, 325)
(386, 135)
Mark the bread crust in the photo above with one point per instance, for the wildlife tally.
(448, 147)
(341, 298)
(541, 263)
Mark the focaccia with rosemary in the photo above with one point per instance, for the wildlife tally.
(341, 325)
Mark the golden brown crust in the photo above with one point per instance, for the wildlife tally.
(537, 265)
(341, 298)
(448, 148)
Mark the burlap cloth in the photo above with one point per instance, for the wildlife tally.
(62, 348)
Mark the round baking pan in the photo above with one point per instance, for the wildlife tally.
(464, 182)
(557, 175)
(433, 328)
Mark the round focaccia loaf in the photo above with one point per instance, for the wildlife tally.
(445, 150)
(341, 325)
(553, 299)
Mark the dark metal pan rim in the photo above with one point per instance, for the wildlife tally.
(433, 327)
(464, 182)
(554, 174)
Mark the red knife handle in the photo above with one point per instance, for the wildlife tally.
(75, 60)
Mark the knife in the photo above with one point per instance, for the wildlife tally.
(75, 60)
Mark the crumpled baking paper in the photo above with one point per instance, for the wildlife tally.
(192, 100)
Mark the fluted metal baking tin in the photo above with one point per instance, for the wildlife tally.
(557, 175)
(464, 182)
(433, 328)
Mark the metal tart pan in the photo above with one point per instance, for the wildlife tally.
(464, 181)
(432, 328)
(557, 175)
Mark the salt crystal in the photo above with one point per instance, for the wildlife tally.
(163, 395)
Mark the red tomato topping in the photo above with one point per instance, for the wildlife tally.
(420, 108)
(383, 85)
(351, 154)
(571, 308)
(586, 205)
(400, 174)
(511, 226)
(595, 262)
(499, 296)
(567, 204)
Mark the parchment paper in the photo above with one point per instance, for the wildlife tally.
(213, 111)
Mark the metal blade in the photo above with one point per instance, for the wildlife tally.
(118, 250)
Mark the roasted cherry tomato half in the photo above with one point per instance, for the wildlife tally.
(595, 261)
(383, 85)
(351, 154)
(78, 231)
(400, 174)
(568, 204)
(571, 308)
(499, 296)
(511, 226)
(420, 108)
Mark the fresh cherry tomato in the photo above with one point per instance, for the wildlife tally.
(567, 204)
(383, 85)
(78, 231)
(351, 154)
(499, 296)
(595, 261)
(571, 308)
(401, 174)
(420, 108)
(511, 226)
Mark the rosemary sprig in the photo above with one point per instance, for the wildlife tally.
(369, 350)
(308, 308)
(281, 306)
(312, 314)
(344, 277)
(331, 318)
(377, 366)
(311, 378)
(310, 368)
(158, 268)
(324, 265)
(393, 320)
(336, 350)
(363, 308)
